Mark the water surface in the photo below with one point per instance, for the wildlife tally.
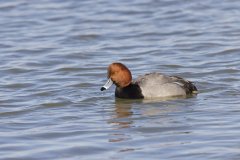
(54, 56)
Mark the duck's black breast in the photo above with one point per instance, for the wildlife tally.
(132, 91)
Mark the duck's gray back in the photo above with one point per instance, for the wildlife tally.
(160, 85)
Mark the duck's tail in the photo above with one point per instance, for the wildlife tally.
(188, 86)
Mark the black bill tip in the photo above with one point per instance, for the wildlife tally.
(103, 88)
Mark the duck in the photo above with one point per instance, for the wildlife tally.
(150, 85)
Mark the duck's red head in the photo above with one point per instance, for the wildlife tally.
(118, 74)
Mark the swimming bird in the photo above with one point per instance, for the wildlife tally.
(151, 85)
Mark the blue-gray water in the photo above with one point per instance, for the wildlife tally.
(53, 60)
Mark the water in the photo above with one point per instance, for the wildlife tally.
(54, 56)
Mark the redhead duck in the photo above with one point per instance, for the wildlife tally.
(152, 85)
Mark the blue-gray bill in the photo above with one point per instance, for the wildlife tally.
(108, 84)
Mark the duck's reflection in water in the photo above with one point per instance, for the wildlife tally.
(121, 120)
(122, 114)
(129, 114)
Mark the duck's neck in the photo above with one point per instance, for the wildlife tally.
(132, 91)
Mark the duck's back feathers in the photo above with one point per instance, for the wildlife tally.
(160, 85)
(188, 86)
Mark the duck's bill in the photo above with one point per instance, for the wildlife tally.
(107, 85)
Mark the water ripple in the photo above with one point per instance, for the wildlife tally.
(54, 58)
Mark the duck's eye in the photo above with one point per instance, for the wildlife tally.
(115, 73)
